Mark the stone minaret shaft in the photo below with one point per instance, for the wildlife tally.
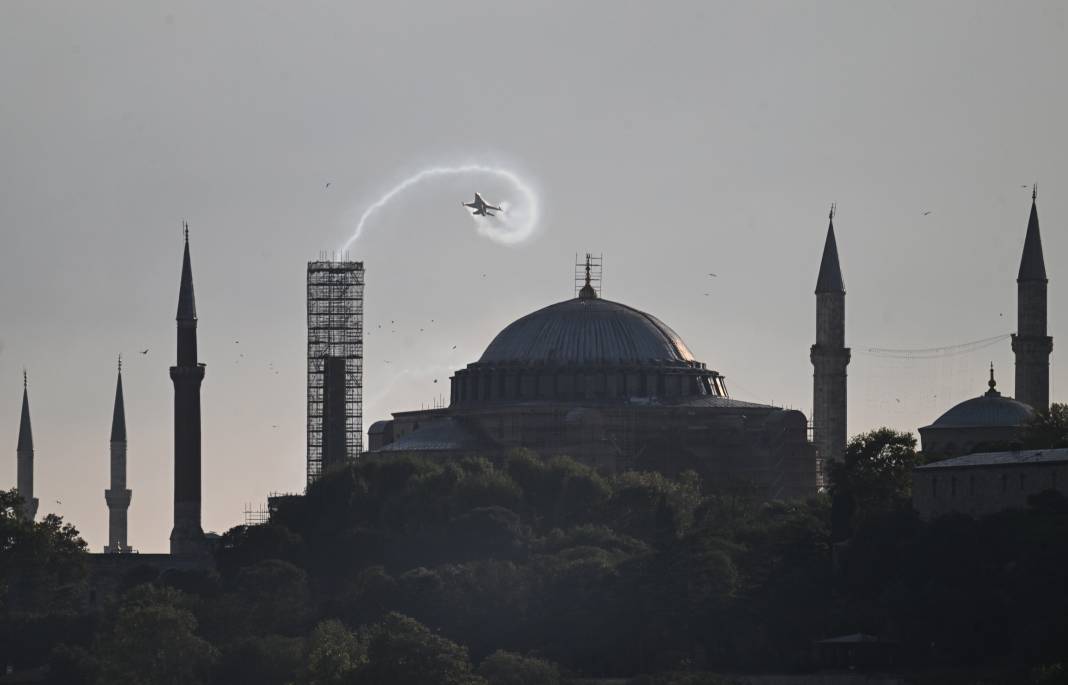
(187, 537)
(829, 356)
(1030, 343)
(118, 496)
(24, 454)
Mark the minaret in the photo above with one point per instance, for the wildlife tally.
(187, 537)
(24, 453)
(1030, 343)
(117, 496)
(829, 355)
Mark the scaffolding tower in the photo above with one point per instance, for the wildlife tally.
(335, 343)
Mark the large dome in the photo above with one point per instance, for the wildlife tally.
(587, 331)
(586, 350)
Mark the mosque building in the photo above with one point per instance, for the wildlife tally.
(617, 389)
(991, 420)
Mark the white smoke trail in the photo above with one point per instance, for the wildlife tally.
(512, 226)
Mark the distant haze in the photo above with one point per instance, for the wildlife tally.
(680, 139)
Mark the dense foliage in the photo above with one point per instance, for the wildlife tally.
(519, 570)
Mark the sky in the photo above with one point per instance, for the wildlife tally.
(677, 139)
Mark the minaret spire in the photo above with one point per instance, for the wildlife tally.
(187, 537)
(1031, 344)
(24, 456)
(118, 496)
(829, 355)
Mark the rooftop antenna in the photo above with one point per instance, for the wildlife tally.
(1034, 193)
(120, 362)
(830, 215)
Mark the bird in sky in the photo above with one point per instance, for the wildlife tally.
(327, 185)
(712, 275)
(144, 351)
(927, 212)
(454, 347)
(59, 501)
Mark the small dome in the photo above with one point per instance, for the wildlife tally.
(988, 410)
(587, 330)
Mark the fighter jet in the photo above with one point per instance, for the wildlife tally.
(480, 207)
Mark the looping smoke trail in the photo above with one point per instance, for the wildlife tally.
(512, 226)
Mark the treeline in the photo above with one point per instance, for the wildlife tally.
(523, 570)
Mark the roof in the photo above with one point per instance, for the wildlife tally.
(985, 412)
(587, 331)
(187, 304)
(830, 277)
(25, 431)
(379, 427)
(1011, 458)
(1032, 265)
(118, 416)
(441, 435)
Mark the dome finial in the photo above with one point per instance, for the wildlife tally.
(1034, 192)
(588, 292)
(992, 384)
(24, 378)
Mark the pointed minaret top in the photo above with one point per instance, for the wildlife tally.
(830, 277)
(1032, 264)
(187, 305)
(118, 416)
(25, 432)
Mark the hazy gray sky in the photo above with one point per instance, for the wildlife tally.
(678, 138)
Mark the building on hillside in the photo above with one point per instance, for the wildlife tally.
(988, 482)
(615, 388)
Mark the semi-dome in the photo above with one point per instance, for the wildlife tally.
(587, 330)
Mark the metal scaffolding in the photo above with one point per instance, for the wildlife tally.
(335, 337)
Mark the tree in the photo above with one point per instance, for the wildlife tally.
(333, 655)
(402, 651)
(153, 641)
(508, 668)
(41, 563)
(874, 476)
(1048, 429)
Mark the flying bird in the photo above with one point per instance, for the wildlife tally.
(144, 351)
(927, 212)
(327, 185)
(712, 275)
